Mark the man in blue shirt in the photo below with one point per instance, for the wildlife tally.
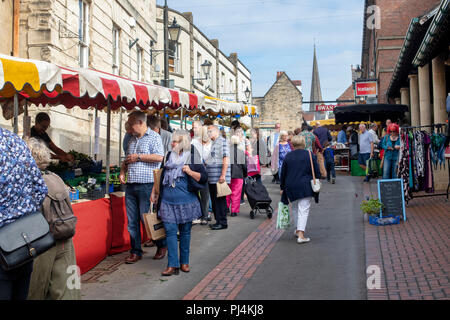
(324, 135)
(342, 137)
(144, 154)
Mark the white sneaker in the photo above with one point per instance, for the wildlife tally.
(300, 240)
(198, 221)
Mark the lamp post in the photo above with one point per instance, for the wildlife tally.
(206, 68)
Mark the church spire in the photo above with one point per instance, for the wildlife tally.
(316, 91)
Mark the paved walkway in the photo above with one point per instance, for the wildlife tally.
(414, 256)
(251, 260)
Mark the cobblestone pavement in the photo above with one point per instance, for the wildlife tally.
(413, 255)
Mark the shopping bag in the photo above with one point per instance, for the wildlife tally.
(153, 226)
(283, 217)
(253, 164)
(372, 168)
(223, 190)
(157, 179)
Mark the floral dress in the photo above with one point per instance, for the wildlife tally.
(284, 150)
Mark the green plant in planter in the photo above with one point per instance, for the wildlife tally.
(371, 207)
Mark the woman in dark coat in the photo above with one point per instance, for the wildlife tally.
(178, 200)
(296, 176)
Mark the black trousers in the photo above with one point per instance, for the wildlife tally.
(14, 284)
(219, 205)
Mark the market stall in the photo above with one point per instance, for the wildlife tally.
(102, 227)
(370, 113)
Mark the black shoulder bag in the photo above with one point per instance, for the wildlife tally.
(23, 240)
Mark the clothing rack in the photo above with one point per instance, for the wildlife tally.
(438, 126)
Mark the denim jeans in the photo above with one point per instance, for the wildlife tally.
(330, 170)
(389, 169)
(174, 260)
(137, 202)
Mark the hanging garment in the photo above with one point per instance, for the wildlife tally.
(403, 165)
(419, 156)
(428, 177)
(438, 149)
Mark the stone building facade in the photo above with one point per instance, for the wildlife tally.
(229, 77)
(91, 34)
(7, 34)
(281, 104)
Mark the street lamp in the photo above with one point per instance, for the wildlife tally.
(174, 30)
(247, 94)
(206, 68)
(358, 72)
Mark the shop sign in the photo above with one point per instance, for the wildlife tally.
(325, 107)
(366, 89)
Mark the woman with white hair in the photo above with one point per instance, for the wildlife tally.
(178, 203)
(279, 153)
(296, 177)
(49, 276)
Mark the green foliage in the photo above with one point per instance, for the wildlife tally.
(371, 206)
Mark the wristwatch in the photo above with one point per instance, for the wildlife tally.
(139, 158)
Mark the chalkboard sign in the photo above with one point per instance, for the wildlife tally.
(391, 195)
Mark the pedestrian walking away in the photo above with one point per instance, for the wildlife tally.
(178, 202)
(329, 163)
(238, 174)
(145, 154)
(296, 177)
(49, 277)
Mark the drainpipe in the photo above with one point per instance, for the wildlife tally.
(16, 14)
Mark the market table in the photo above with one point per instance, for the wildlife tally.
(101, 230)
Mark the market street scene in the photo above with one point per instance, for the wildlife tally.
(220, 151)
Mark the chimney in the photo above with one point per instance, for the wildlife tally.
(234, 58)
(279, 73)
(189, 17)
(215, 43)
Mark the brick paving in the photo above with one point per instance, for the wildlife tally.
(226, 280)
(413, 255)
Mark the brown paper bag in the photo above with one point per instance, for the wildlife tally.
(157, 178)
(223, 190)
(153, 226)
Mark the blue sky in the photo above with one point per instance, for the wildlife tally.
(279, 35)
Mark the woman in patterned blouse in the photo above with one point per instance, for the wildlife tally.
(22, 191)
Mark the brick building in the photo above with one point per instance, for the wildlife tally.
(281, 104)
(394, 19)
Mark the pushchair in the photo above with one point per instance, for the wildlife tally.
(258, 198)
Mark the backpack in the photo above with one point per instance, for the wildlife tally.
(57, 209)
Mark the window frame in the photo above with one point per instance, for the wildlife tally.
(83, 33)
(116, 58)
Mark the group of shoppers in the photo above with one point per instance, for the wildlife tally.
(193, 166)
(23, 189)
(367, 145)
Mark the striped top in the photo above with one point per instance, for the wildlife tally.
(219, 150)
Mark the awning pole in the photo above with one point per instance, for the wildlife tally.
(108, 144)
(16, 113)
(120, 135)
(181, 119)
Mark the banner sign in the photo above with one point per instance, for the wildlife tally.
(366, 89)
(325, 107)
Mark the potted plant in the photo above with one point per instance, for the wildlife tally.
(371, 208)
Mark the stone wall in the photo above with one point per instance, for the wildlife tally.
(281, 104)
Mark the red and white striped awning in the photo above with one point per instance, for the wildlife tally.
(92, 88)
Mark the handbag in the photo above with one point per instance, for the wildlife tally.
(315, 183)
(153, 225)
(223, 190)
(283, 216)
(23, 240)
